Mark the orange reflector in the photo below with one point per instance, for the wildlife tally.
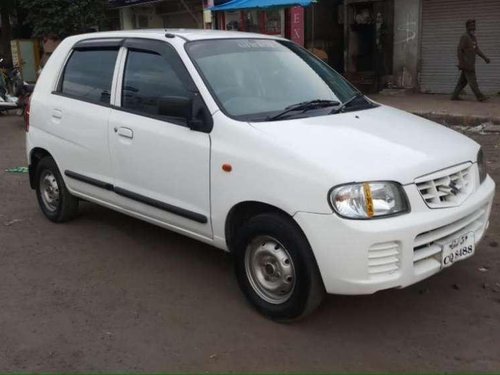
(369, 199)
(227, 167)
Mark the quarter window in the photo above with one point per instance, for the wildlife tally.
(88, 75)
(149, 77)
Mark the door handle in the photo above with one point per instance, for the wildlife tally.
(57, 113)
(125, 132)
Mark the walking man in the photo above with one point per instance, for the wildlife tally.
(467, 51)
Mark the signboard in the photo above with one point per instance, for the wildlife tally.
(16, 59)
(297, 25)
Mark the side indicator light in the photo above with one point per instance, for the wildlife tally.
(227, 167)
(369, 199)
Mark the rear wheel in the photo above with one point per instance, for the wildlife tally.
(54, 199)
(276, 269)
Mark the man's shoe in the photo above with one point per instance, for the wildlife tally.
(483, 98)
(456, 98)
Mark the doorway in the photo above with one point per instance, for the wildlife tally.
(324, 32)
(369, 39)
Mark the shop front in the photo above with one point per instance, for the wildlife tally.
(271, 17)
(355, 37)
(443, 23)
(270, 22)
(369, 37)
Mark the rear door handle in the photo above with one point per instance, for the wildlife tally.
(125, 132)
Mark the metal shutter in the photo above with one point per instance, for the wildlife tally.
(443, 22)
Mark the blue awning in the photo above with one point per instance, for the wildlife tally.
(260, 4)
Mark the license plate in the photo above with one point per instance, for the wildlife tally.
(458, 248)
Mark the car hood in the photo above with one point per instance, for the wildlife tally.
(382, 143)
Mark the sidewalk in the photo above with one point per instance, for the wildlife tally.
(441, 109)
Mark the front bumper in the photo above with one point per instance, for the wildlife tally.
(363, 257)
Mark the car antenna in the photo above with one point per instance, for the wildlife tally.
(169, 35)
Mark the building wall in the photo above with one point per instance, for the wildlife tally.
(162, 14)
(126, 18)
(406, 42)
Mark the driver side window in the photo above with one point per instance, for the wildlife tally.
(147, 78)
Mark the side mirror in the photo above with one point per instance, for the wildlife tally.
(189, 110)
(177, 107)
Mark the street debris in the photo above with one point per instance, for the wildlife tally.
(493, 244)
(494, 288)
(424, 291)
(17, 170)
(456, 286)
(9, 223)
(483, 269)
(481, 129)
(213, 356)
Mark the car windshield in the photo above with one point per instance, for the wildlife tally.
(256, 79)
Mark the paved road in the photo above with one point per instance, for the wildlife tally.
(111, 293)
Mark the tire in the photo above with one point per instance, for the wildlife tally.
(272, 252)
(55, 201)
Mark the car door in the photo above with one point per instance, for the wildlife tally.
(77, 120)
(161, 166)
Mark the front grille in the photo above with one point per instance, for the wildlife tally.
(426, 251)
(446, 188)
(383, 258)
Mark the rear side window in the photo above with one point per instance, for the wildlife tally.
(88, 75)
(149, 77)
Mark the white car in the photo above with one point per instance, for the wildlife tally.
(251, 144)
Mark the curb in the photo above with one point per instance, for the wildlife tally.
(452, 119)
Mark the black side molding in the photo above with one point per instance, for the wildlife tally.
(199, 218)
(162, 206)
(89, 180)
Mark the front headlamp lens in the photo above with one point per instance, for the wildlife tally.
(368, 200)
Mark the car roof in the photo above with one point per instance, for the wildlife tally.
(186, 34)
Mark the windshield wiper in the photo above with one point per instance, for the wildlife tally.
(304, 106)
(357, 95)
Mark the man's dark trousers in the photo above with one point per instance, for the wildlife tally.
(467, 77)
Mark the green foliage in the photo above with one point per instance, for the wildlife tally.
(60, 18)
(7, 5)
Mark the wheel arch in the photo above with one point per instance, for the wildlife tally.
(36, 154)
(243, 211)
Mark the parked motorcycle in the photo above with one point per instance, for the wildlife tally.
(24, 98)
(16, 81)
(14, 92)
(7, 101)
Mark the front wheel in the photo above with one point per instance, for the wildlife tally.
(276, 269)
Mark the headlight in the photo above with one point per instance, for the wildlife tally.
(481, 166)
(369, 200)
